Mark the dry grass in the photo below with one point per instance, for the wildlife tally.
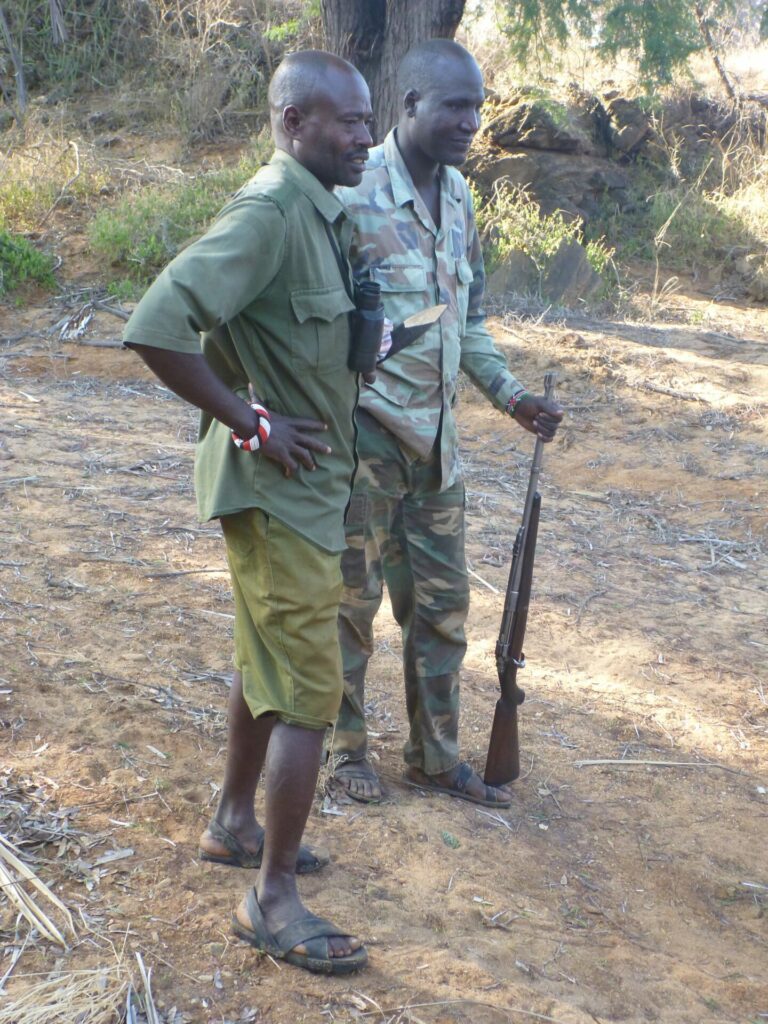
(14, 873)
(87, 997)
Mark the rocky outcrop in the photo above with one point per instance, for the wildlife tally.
(568, 158)
(577, 156)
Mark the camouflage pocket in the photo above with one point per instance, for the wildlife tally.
(400, 277)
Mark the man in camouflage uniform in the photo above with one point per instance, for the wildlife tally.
(416, 236)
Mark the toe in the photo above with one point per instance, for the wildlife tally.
(342, 945)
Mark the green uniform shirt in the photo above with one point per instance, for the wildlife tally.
(418, 265)
(264, 290)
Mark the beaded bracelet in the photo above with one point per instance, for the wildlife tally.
(262, 431)
(515, 400)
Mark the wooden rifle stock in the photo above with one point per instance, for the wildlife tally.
(503, 762)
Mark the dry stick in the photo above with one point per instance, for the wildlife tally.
(20, 949)
(114, 310)
(20, 898)
(66, 184)
(149, 1003)
(180, 572)
(485, 583)
(99, 342)
(472, 1002)
(657, 764)
(701, 18)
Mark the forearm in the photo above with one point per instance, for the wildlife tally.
(486, 366)
(192, 379)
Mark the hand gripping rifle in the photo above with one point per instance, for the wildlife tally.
(503, 762)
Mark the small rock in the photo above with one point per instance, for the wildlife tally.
(570, 278)
(517, 275)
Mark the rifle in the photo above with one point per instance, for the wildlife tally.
(503, 762)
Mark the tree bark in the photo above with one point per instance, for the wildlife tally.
(375, 35)
(701, 18)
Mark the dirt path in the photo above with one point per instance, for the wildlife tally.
(610, 892)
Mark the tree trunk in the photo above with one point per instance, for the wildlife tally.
(375, 35)
(701, 18)
(18, 67)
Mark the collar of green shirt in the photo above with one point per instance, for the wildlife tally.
(403, 189)
(325, 202)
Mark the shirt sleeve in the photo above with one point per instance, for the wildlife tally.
(485, 366)
(213, 279)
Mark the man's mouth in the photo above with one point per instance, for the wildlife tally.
(360, 159)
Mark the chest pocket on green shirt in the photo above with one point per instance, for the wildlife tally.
(464, 278)
(400, 277)
(320, 331)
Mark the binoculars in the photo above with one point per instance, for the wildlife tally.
(366, 327)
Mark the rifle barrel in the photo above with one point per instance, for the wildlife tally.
(513, 588)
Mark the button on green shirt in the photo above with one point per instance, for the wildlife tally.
(417, 265)
(261, 291)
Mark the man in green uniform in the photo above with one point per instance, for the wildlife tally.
(415, 234)
(265, 290)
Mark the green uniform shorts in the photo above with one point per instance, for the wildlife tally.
(287, 594)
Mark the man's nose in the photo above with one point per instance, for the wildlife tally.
(470, 122)
(365, 135)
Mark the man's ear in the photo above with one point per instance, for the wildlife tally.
(292, 120)
(410, 100)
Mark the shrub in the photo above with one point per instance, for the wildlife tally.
(688, 225)
(511, 219)
(20, 262)
(38, 175)
(145, 229)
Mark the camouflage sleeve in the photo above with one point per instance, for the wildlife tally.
(485, 366)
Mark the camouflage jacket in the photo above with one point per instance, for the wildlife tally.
(395, 242)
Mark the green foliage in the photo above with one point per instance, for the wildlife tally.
(534, 25)
(21, 263)
(511, 220)
(660, 34)
(144, 230)
(283, 32)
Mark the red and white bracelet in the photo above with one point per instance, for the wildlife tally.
(262, 432)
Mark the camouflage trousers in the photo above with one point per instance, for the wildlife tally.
(403, 531)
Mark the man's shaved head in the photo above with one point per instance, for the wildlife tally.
(423, 63)
(302, 78)
(441, 92)
(320, 112)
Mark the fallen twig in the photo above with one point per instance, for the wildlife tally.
(13, 887)
(655, 764)
(477, 576)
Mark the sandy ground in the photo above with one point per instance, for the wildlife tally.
(635, 889)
